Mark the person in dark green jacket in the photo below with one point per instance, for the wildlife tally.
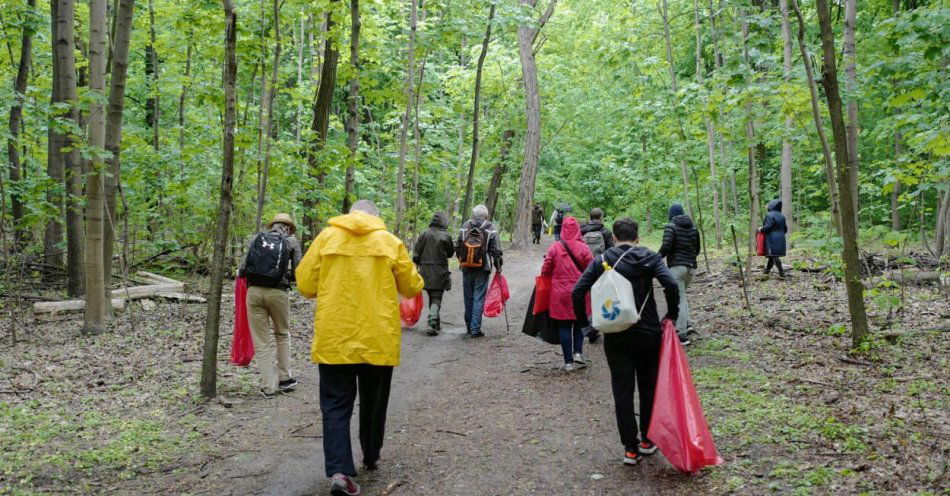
(431, 254)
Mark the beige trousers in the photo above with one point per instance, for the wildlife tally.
(271, 348)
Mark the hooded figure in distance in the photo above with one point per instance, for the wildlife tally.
(774, 227)
(681, 245)
(431, 255)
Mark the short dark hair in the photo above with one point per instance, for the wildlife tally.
(596, 213)
(626, 229)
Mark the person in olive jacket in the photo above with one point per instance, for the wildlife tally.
(431, 255)
(774, 227)
(681, 246)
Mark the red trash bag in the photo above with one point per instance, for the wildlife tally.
(410, 310)
(678, 426)
(542, 294)
(760, 248)
(242, 346)
(497, 296)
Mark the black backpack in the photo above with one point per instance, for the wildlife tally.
(267, 260)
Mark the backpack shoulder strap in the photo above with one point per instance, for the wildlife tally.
(573, 259)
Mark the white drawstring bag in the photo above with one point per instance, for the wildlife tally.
(612, 301)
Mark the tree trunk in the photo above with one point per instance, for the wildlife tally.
(212, 320)
(53, 235)
(268, 97)
(786, 169)
(532, 138)
(476, 111)
(846, 171)
(942, 232)
(684, 173)
(404, 123)
(152, 110)
(321, 125)
(181, 100)
(353, 107)
(120, 65)
(819, 127)
(898, 151)
(65, 46)
(417, 153)
(491, 199)
(751, 152)
(16, 115)
(851, 89)
(710, 133)
(94, 316)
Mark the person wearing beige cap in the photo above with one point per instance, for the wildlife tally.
(269, 265)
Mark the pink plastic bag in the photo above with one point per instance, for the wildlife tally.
(678, 426)
(497, 296)
(410, 310)
(242, 346)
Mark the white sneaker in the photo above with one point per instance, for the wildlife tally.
(570, 367)
(580, 360)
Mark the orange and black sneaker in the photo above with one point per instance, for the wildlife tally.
(646, 448)
(631, 457)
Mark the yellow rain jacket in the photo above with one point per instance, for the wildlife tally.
(355, 269)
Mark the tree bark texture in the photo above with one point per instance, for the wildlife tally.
(710, 133)
(851, 90)
(321, 125)
(53, 235)
(491, 199)
(846, 170)
(353, 107)
(404, 122)
(476, 111)
(785, 180)
(532, 138)
(213, 318)
(94, 315)
(114, 111)
(65, 43)
(152, 105)
(268, 96)
(16, 115)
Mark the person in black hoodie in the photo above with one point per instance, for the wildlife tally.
(633, 355)
(681, 246)
(595, 234)
(774, 227)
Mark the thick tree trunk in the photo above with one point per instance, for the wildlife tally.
(116, 107)
(16, 115)
(532, 137)
(476, 110)
(819, 126)
(785, 182)
(491, 199)
(321, 126)
(851, 89)
(53, 235)
(710, 133)
(65, 46)
(942, 232)
(268, 96)
(94, 316)
(404, 123)
(846, 170)
(353, 107)
(213, 318)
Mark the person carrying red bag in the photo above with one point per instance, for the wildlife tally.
(564, 263)
(632, 355)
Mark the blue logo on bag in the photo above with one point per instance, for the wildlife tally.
(609, 310)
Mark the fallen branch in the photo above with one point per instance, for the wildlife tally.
(854, 361)
(446, 431)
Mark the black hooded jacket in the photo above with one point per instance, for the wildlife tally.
(640, 267)
(681, 243)
(774, 227)
(598, 225)
(432, 253)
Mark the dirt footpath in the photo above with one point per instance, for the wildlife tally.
(486, 416)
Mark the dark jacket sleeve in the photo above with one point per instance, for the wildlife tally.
(583, 285)
(670, 289)
(446, 246)
(417, 249)
(494, 250)
(608, 238)
(768, 224)
(699, 242)
(669, 235)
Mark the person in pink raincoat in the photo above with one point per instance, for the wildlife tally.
(564, 263)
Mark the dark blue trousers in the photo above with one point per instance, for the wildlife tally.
(339, 385)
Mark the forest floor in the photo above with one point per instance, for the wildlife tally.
(793, 411)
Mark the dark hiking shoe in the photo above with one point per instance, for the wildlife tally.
(478, 334)
(432, 331)
(631, 458)
(646, 448)
(684, 341)
(593, 337)
(691, 330)
(287, 385)
(343, 485)
(370, 465)
(268, 396)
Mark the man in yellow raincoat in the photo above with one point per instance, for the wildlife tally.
(355, 269)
